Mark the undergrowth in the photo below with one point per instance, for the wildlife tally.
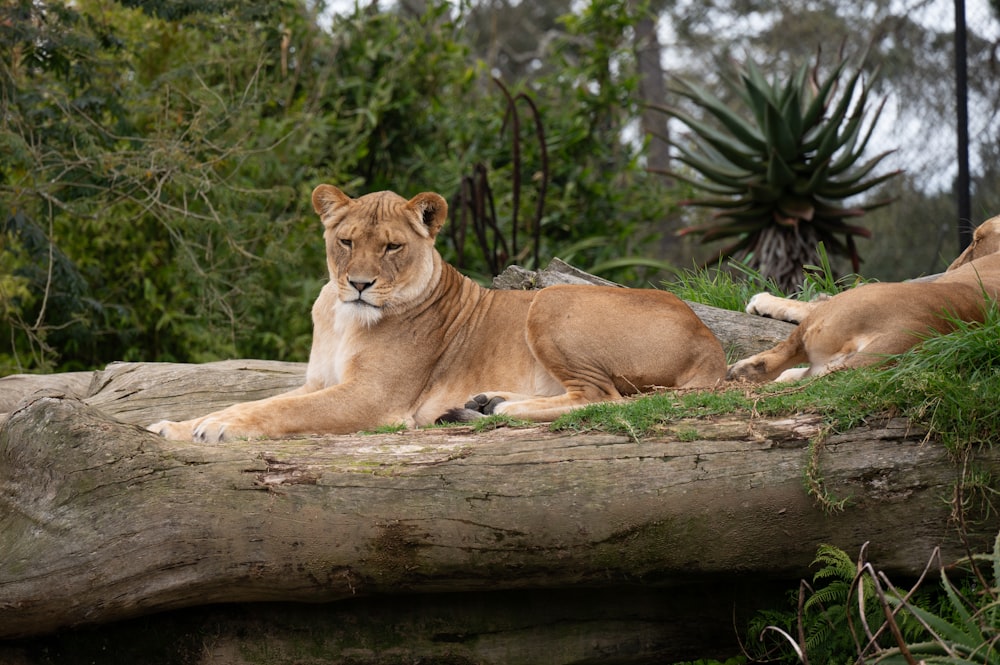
(720, 287)
(853, 613)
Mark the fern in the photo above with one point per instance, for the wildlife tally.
(828, 614)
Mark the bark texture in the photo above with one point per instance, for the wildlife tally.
(101, 520)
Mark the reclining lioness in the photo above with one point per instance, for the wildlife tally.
(399, 336)
(862, 326)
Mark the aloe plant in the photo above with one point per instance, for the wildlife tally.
(780, 168)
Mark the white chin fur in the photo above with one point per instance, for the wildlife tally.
(358, 314)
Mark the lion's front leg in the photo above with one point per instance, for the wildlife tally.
(782, 309)
(339, 409)
(248, 420)
(238, 422)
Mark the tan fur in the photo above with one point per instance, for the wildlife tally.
(399, 336)
(863, 325)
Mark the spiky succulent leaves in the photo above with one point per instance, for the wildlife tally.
(787, 158)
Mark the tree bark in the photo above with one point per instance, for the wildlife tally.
(652, 91)
(101, 520)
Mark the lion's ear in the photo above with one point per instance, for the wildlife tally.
(327, 198)
(433, 210)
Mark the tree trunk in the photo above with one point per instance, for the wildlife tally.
(652, 91)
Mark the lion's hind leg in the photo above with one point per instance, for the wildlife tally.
(522, 407)
(479, 406)
(776, 363)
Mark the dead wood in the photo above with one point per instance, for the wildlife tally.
(101, 520)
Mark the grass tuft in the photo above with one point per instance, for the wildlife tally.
(726, 288)
(394, 428)
(640, 416)
(731, 286)
(949, 383)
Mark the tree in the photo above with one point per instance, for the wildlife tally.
(910, 44)
(102, 520)
(139, 183)
(780, 170)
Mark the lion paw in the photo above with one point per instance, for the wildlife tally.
(748, 369)
(480, 406)
(484, 404)
(769, 306)
(226, 427)
(174, 431)
(783, 309)
(210, 429)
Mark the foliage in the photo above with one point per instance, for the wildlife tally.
(965, 630)
(823, 624)
(955, 624)
(716, 286)
(822, 279)
(820, 623)
(154, 196)
(145, 199)
(600, 198)
(781, 171)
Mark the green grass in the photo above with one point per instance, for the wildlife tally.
(719, 287)
(394, 428)
(949, 384)
(497, 421)
(649, 414)
(822, 279)
(731, 286)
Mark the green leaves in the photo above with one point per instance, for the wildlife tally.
(787, 155)
(180, 142)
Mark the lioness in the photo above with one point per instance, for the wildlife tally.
(399, 336)
(862, 326)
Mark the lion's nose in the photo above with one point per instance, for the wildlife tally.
(361, 284)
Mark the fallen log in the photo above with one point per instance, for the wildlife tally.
(101, 520)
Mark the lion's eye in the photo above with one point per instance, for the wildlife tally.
(345, 242)
(392, 247)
